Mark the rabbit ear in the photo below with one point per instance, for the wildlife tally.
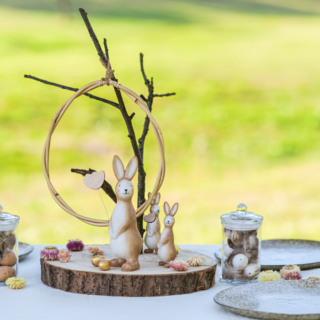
(174, 209)
(118, 168)
(158, 198)
(166, 208)
(131, 168)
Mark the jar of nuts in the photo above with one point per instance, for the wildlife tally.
(9, 257)
(241, 246)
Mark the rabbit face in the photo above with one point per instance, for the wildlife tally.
(124, 189)
(169, 221)
(155, 209)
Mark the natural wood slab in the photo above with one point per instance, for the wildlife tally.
(80, 276)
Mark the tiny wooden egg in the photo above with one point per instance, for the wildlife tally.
(239, 261)
(104, 265)
(96, 259)
(9, 259)
(6, 272)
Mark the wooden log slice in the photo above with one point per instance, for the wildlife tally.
(80, 276)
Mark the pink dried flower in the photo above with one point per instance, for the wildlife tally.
(75, 245)
(293, 276)
(96, 251)
(49, 253)
(179, 265)
(64, 255)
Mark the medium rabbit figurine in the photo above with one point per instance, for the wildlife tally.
(153, 227)
(125, 239)
(166, 248)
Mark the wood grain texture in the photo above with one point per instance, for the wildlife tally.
(127, 285)
(80, 276)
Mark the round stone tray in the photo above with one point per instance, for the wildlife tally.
(277, 253)
(274, 300)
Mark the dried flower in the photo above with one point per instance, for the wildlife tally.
(178, 249)
(313, 278)
(195, 261)
(293, 276)
(75, 245)
(64, 255)
(16, 283)
(179, 265)
(49, 253)
(288, 269)
(269, 275)
(96, 251)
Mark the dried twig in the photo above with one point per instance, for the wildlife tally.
(106, 187)
(164, 95)
(131, 134)
(114, 104)
(149, 102)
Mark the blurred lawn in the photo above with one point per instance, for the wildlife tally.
(243, 127)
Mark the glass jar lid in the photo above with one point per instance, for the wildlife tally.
(241, 219)
(7, 220)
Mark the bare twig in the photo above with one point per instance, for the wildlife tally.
(149, 102)
(164, 95)
(93, 36)
(106, 187)
(131, 134)
(114, 104)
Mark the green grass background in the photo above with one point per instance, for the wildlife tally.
(243, 127)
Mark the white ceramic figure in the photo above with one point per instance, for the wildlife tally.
(153, 226)
(166, 248)
(125, 239)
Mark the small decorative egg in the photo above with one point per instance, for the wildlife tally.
(239, 261)
(251, 270)
(104, 265)
(9, 259)
(227, 251)
(96, 259)
(6, 272)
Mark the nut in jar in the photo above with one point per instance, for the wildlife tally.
(241, 246)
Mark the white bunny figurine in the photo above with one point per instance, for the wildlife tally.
(153, 225)
(125, 239)
(166, 248)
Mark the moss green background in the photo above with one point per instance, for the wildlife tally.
(243, 127)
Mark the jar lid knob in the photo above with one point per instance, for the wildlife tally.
(242, 208)
(1, 208)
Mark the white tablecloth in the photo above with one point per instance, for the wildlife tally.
(38, 302)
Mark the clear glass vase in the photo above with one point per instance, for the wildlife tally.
(241, 246)
(9, 256)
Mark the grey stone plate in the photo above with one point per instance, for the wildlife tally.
(291, 299)
(277, 253)
(24, 250)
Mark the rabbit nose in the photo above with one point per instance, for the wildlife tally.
(125, 190)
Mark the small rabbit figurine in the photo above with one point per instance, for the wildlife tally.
(166, 248)
(153, 227)
(125, 239)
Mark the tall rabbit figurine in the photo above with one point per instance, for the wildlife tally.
(125, 239)
(166, 248)
(153, 227)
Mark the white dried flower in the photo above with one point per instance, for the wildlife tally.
(195, 261)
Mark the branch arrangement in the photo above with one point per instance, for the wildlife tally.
(137, 146)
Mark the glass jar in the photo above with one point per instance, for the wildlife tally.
(9, 258)
(241, 246)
